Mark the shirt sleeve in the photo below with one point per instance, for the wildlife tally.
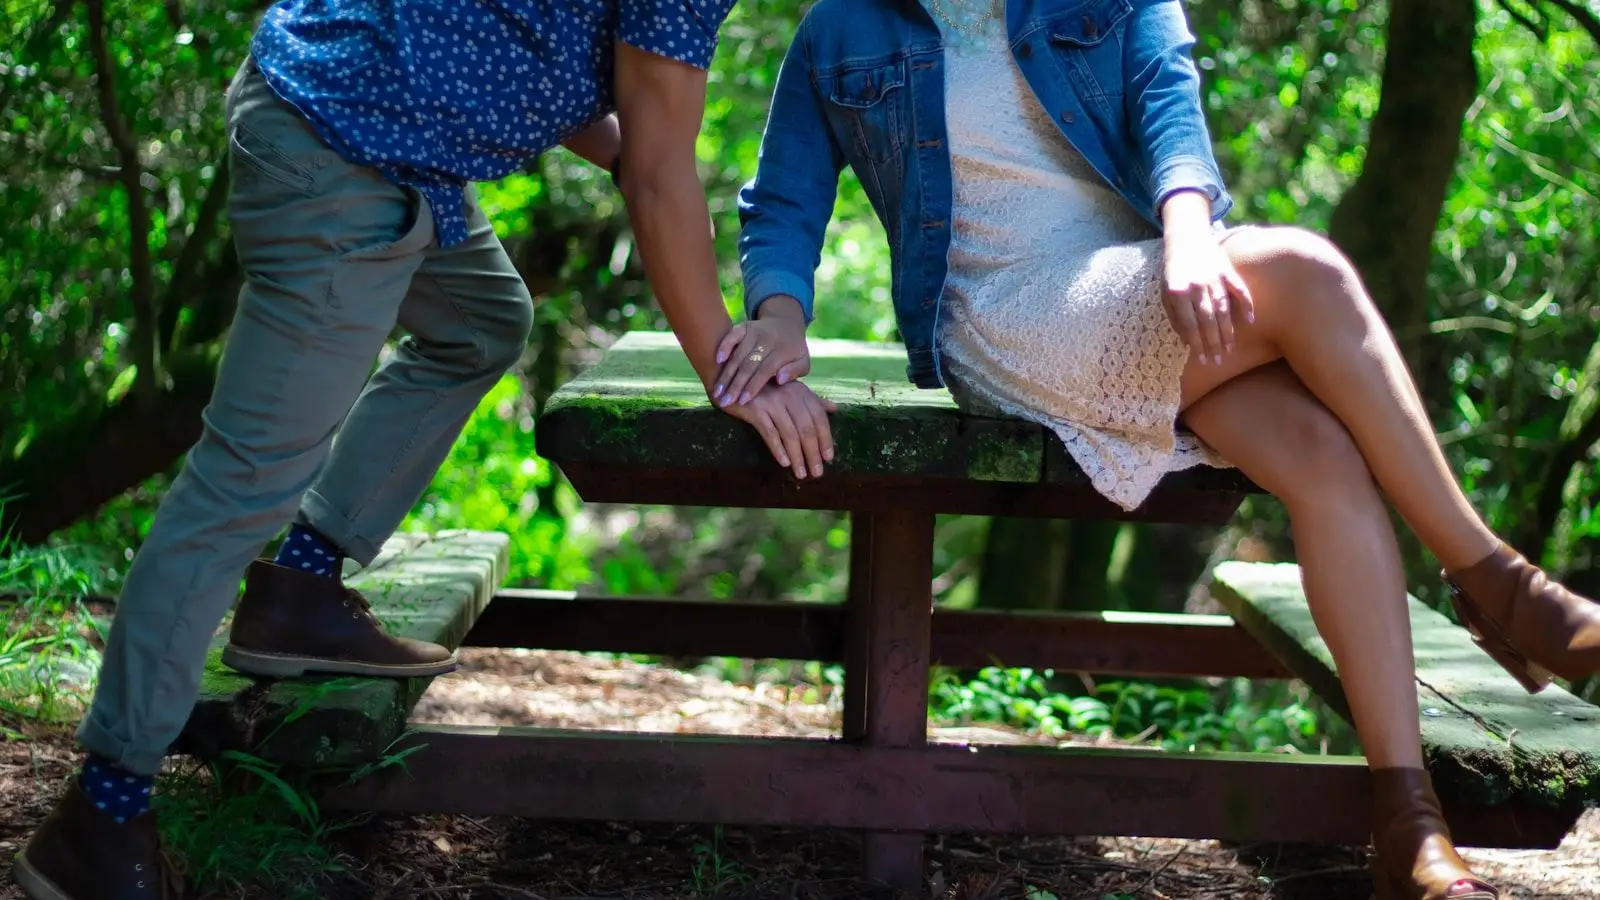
(684, 30)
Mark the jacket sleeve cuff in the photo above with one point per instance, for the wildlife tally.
(1189, 173)
(762, 286)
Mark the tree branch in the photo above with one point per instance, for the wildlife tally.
(74, 467)
(180, 292)
(143, 333)
(1586, 20)
(1547, 507)
(1540, 30)
(93, 171)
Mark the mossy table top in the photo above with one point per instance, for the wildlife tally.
(642, 408)
(1486, 740)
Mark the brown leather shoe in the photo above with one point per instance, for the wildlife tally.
(1415, 859)
(1524, 620)
(81, 853)
(289, 623)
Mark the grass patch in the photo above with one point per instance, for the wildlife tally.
(242, 823)
(248, 826)
(49, 648)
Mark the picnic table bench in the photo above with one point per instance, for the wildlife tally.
(1513, 771)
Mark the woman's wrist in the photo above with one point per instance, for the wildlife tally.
(1186, 212)
(783, 309)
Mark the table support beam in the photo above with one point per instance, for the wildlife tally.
(899, 623)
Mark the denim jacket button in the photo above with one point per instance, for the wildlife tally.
(1025, 51)
(1067, 117)
(1090, 28)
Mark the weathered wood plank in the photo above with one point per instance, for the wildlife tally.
(1122, 643)
(427, 587)
(642, 407)
(490, 770)
(1485, 739)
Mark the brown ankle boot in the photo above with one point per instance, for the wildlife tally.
(289, 623)
(1530, 624)
(81, 853)
(1415, 859)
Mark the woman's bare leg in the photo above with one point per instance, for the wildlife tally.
(1269, 425)
(1312, 311)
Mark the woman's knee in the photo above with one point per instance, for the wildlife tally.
(1324, 458)
(1295, 264)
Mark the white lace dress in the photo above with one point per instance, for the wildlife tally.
(1052, 309)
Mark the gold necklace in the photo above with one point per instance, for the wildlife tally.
(969, 30)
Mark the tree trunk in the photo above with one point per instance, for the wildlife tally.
(1085, 584)
(1386, 221)
(76, 466)
(1023, 563)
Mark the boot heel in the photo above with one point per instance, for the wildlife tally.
(1532, 676)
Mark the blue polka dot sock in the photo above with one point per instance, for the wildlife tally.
(120, 793)
(307, 551)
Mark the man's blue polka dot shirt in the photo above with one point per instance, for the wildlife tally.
(438, 93)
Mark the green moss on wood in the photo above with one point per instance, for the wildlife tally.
(1485, 740)
(643, 405)
(432, 590)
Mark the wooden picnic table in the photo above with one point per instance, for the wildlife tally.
(637, 429)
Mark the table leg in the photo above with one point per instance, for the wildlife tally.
(899, 615)
(858, 630)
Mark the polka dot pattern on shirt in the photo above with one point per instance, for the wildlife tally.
(438, 93)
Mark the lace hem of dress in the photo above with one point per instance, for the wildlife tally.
(1124, 475)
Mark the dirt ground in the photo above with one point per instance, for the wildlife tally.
(464, 857)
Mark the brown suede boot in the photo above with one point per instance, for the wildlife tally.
(1415, 859)
(81, 853)
(289, 623)
(1530, 624)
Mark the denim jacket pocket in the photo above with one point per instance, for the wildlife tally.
(1087, 42)
(870, 98)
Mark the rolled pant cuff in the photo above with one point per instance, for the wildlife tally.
(98, 741)
(316, 511)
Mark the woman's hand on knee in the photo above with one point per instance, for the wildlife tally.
(1204, 294)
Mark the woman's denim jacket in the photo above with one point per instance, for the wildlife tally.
(863, 84)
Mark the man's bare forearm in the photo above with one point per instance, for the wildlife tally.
(667, 206)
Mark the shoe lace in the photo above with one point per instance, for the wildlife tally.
(358, 603)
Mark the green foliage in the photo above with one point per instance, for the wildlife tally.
(1232, 715)
(492, 481)
(711, 871)
(241, 821)
(48, 655)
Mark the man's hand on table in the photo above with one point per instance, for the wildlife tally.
(794, 422)
(660, 106)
